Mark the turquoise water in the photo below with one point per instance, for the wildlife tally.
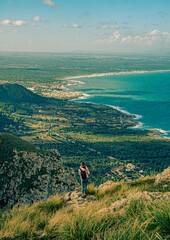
(145, 94)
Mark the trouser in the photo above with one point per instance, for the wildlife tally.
(84, 186)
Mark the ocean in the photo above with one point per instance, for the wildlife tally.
(145, 94)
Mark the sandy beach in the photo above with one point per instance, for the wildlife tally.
(110, 74)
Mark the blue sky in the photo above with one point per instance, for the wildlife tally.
(111, 26)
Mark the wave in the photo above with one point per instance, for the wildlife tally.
(136, 116)
(111, 73)
(82, 97)
(75, 83)
(138, 126)
(163, 133)
(120, 109)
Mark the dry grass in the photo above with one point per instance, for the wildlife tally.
(139, 220)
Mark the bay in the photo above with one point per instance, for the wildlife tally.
(147, 95)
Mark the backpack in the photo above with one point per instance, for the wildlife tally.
(83, 174)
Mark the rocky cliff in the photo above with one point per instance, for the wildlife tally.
(29, 174)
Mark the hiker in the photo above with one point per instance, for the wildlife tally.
(84, 173)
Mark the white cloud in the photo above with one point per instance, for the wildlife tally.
(126, 39)
(154, 32)
(148, 39)
(37, 18)
(115, 36)
(166, 36)
(73, 25)
(7, 22)
(108, 27)
(50, 3)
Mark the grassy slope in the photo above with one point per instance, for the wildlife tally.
(139, 220)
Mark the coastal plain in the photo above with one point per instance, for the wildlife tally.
(96, 134)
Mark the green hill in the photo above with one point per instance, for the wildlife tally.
(9, 142)
(18, 93)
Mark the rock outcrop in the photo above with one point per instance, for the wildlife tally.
(150, 196)
(163, 177)
(74, 199)
(30, 176)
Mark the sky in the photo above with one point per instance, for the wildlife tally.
(107, 26)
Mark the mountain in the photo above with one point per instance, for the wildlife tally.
(29, 174)
(17, 93)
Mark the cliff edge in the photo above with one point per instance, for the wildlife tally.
(29, 174)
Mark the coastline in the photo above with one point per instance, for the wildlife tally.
(157, 133)
(111, 74)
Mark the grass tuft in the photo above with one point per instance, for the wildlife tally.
(52, 205)
(109, 190)
(142, 181)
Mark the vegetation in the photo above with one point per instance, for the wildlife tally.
(97, 135)
(9, 142)
(54, 219)
(33, 68)
(17, 93)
